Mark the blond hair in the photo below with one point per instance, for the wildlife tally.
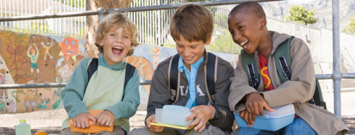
(116, 20)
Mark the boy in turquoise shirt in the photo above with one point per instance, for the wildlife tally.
(115, 38)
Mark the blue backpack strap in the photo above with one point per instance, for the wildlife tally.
(249, 65)
(173, 77)
(211, 76)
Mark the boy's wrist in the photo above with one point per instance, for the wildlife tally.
(216, 111)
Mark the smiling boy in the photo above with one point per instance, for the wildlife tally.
(105, 90)
(247, 25)
(191, 28)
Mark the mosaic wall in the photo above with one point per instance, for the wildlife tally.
(26, 59)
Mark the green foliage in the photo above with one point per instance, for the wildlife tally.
(223, 43)
(301, 15)
(351, 26)
(221, 20)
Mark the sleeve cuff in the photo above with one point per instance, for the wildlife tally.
(216, 114)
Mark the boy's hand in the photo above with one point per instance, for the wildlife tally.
(248, 117)
(256, 104)
(201, 114)
(105, 118)
(153, 128)
(82, 120)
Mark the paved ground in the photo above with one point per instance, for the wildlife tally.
(50, 121)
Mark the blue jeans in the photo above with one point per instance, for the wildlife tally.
(298, 127)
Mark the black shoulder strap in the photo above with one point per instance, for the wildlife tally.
(174, 72)
(92, 67)
(211, 77)
(129, 73)
(173, 75)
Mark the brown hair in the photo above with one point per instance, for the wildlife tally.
(119, 21)
(193, 22)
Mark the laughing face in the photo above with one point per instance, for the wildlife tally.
(116, 43)
(245, 29)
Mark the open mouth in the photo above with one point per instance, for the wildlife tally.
(117, 49)
(244, 44)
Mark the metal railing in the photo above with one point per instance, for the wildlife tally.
(336, 76)
(133, 9)
(73, 26)
(47, 85)
(146, 82)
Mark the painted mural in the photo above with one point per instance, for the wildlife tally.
(26, 58)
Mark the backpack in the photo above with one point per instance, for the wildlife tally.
(94, 64)
(174, 77)
(282, 56)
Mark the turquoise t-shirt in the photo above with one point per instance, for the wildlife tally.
(191, 77)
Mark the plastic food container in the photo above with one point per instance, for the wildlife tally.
(271, 121)
(173, 115)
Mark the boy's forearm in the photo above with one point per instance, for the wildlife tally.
(73, 93)
(239, 89)
(124, 109)
(72, 104)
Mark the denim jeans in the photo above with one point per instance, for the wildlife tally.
(297, 127)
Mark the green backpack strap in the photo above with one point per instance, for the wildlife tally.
(283, 63)
(318, 96)
(283, 60)
(250, 68)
